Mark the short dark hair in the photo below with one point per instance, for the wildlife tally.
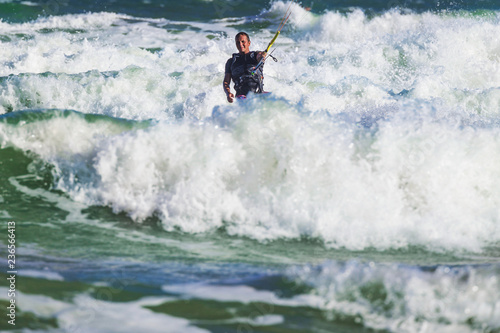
(241, 34)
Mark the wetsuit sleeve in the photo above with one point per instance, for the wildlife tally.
(228, 66)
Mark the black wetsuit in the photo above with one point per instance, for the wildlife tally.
(241, 67)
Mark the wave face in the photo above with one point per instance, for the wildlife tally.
(279, 172)
(400, 298)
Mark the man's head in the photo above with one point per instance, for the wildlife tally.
(242, 42)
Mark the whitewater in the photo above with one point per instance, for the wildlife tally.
(368, 181)
(384, 142)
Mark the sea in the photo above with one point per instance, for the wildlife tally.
(361, 195)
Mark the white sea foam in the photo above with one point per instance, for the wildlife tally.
(41, 274)
(329, 61)
(241, 294)
(86, 314)
(392, 297)
(380, 132)
(418, 180)
(402, 298)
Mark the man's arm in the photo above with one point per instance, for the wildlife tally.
(227, 89)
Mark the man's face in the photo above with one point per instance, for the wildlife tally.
(243, 44)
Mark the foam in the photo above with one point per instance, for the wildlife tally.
(241, 294)
(381, 133)
(380, 296)
(419, 179)
(329, 61)
(407, 299)
(86, 314)
(47, 275)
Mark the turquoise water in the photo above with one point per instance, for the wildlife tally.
(361, 195)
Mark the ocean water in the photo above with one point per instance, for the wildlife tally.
(361, 195)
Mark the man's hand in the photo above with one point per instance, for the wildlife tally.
(261, 55)
(227, 89)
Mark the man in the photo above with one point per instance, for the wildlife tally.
(242, 69)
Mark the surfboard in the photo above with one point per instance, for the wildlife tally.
(243, 97)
